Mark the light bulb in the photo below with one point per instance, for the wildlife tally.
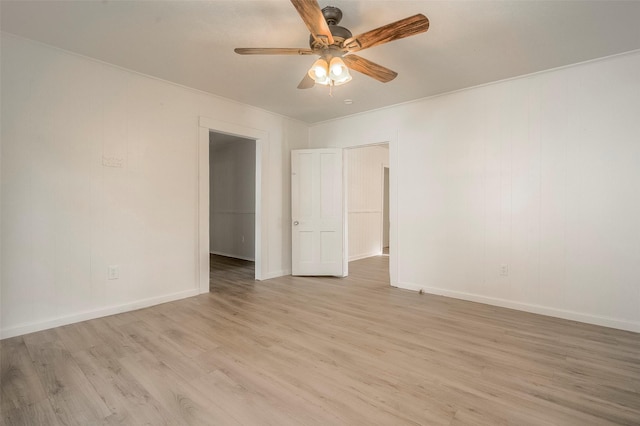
(339, 72)
(336, 69)
(319, 71)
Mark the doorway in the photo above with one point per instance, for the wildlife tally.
(367, 200)
(359, 177)
(261, 141)
(232, 196)
(232, 177)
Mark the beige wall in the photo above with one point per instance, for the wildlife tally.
(100, 168)
(539, 173)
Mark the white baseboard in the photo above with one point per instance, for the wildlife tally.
(235, 256)
(276, 274)
(32, 327)
(526, 307)
(363, 256)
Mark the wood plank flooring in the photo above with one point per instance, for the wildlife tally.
(321, 351)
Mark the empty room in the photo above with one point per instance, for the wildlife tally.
(299, 212)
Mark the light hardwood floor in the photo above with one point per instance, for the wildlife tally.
(321, 351)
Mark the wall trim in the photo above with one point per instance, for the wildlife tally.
(149, 76)
(276, 274)
(527, 307)
(489, 83)
(363, 256)
(235, 256)
(261, 137)
(32, 327)
(232, 212)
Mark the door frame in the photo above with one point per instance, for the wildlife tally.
(385, 206)
(207, 125)
(394, 250)
(347, 152)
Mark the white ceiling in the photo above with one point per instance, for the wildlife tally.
(191, 43)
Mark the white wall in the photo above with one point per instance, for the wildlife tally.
(364, 199)
(67, 213)
(540, 173)
(232, 170)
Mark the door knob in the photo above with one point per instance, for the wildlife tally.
(296, 223)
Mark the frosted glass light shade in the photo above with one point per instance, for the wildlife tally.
(338, 71)
(319, 71)
(323, 81)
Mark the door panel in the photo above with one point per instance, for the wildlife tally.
(317, 212)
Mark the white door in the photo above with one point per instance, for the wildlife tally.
(317, 213)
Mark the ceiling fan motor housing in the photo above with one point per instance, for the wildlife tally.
(333, 16)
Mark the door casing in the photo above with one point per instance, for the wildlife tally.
(207, 125)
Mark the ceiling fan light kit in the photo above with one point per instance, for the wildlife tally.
(334, 72)
(335, 45)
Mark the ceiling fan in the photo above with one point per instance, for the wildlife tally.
(336, 45)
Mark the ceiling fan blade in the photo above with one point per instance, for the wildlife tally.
(369, 68)
(412, 25)
(310, 12)
(272, 51)
(307, 82)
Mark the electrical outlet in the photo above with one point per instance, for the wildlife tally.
(504, 270)
(113, 272)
